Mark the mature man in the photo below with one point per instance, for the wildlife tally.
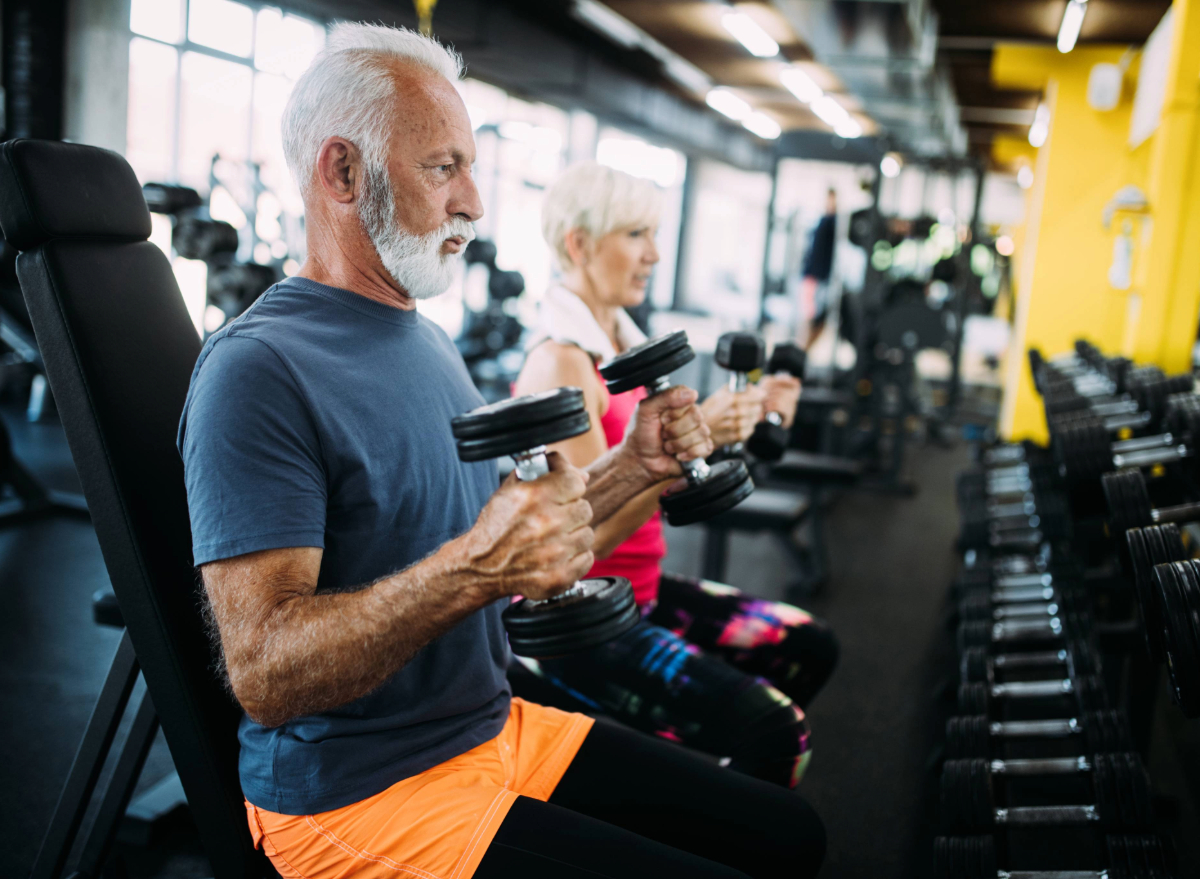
(356, 568)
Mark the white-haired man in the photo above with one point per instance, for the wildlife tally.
(356, 568)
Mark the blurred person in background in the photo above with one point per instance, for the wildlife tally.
(815, 273)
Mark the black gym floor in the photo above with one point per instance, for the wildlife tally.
(873, 727)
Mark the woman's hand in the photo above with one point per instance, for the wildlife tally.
(731, 417)
(782, 396)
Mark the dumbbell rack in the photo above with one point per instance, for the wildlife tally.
(1047, 585)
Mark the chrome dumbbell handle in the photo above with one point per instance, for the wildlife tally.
(1047, 815)
(1042, 729)
(1040, 766)
(1032, 689)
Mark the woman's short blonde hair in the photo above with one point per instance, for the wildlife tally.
(598, 200)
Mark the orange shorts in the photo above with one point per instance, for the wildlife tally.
(436, 825)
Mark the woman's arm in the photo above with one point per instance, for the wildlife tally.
(553, 365)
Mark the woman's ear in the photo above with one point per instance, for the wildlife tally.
(579, 247)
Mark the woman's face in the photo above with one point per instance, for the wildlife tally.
(621, 263)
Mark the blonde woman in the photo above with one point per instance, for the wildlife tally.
(708, 666)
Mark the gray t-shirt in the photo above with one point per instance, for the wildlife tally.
(322, 418)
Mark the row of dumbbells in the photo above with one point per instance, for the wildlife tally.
(1030, 684)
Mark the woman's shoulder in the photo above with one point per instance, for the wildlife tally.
(560, 357)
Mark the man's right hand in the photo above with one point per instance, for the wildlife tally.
(533, 538)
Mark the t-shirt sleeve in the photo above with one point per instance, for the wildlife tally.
(251, 455)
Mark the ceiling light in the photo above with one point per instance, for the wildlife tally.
(830, 111)
(1040, 128)
(726, 102)
(762, 125)
(756, 40)
(603, 19)
(1005, 246)
(890, 165)
(1072, 20)
(687, 75)
(800, 84)
(849, 129)
(1025, 177)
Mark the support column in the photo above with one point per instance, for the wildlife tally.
(1063, 291)
(1166, 328)
(96, 96)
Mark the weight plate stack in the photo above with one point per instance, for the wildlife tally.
(643, 363)
(1101, 731)
(591, 613)
(520, 424)
(1148, 547)
(1089, 694)
(964, 857)
(1179, 595)
(1128, 501)
(1084, 450)
(727, 485)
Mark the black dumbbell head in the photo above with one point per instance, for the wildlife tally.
(727, 485)
(1128, 501)
(740, 352)
(1121, 788)
(1106, 731)
(788, 357)
(964, 857)
(593, 613)
(1155, 545)
(1179, 598)
(768, 442)
(520, 424)
(646, 363)
(968, 735)
(966, 795)
(1090, 693)
(1084, 450)
(1140, 857)
(973, 698)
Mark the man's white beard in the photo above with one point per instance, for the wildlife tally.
(415, 262)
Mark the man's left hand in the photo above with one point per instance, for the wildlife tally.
(666, 428)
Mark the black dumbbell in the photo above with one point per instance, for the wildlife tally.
(1129, 857)
(1023, 522)
(770, 438)
(972, 735)
(1179, 594)
(1087, 691)
(980, 605)
(976, 664)
(741, 353)
(710, 490)
(983, 633)
(1085, 451)
(592, 611)
(1120, 785)
(1148, 547)
(1129, 504)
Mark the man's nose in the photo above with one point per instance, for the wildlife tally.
(465, 201)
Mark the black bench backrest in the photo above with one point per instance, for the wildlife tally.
(119, 348)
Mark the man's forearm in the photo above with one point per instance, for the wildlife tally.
(313, 652)
(615, 478)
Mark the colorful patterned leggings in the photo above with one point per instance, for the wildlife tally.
(709, 667)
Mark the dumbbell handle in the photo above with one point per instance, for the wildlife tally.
(1032, 689)
(1025, 609)
(1148, 457)
(1047, 815)
(1022, 594)
(1052, 874)
(1033, 659)
(696, 469)
(1042, 729)
(1016, 630)
(1023, 581)
(1040, 766)
(1141, 443)
(1178, 513)
(531, 465)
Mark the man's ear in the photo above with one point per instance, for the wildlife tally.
(579, 246)
(339, 169)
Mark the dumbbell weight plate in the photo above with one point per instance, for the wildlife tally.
(727, 485)
(642, 364)
(520, 424)
(1183, 659)
(768, 442)
(1154, 545)
(596, 611)
(1128, 501)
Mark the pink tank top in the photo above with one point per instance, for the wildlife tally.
(638, 558)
